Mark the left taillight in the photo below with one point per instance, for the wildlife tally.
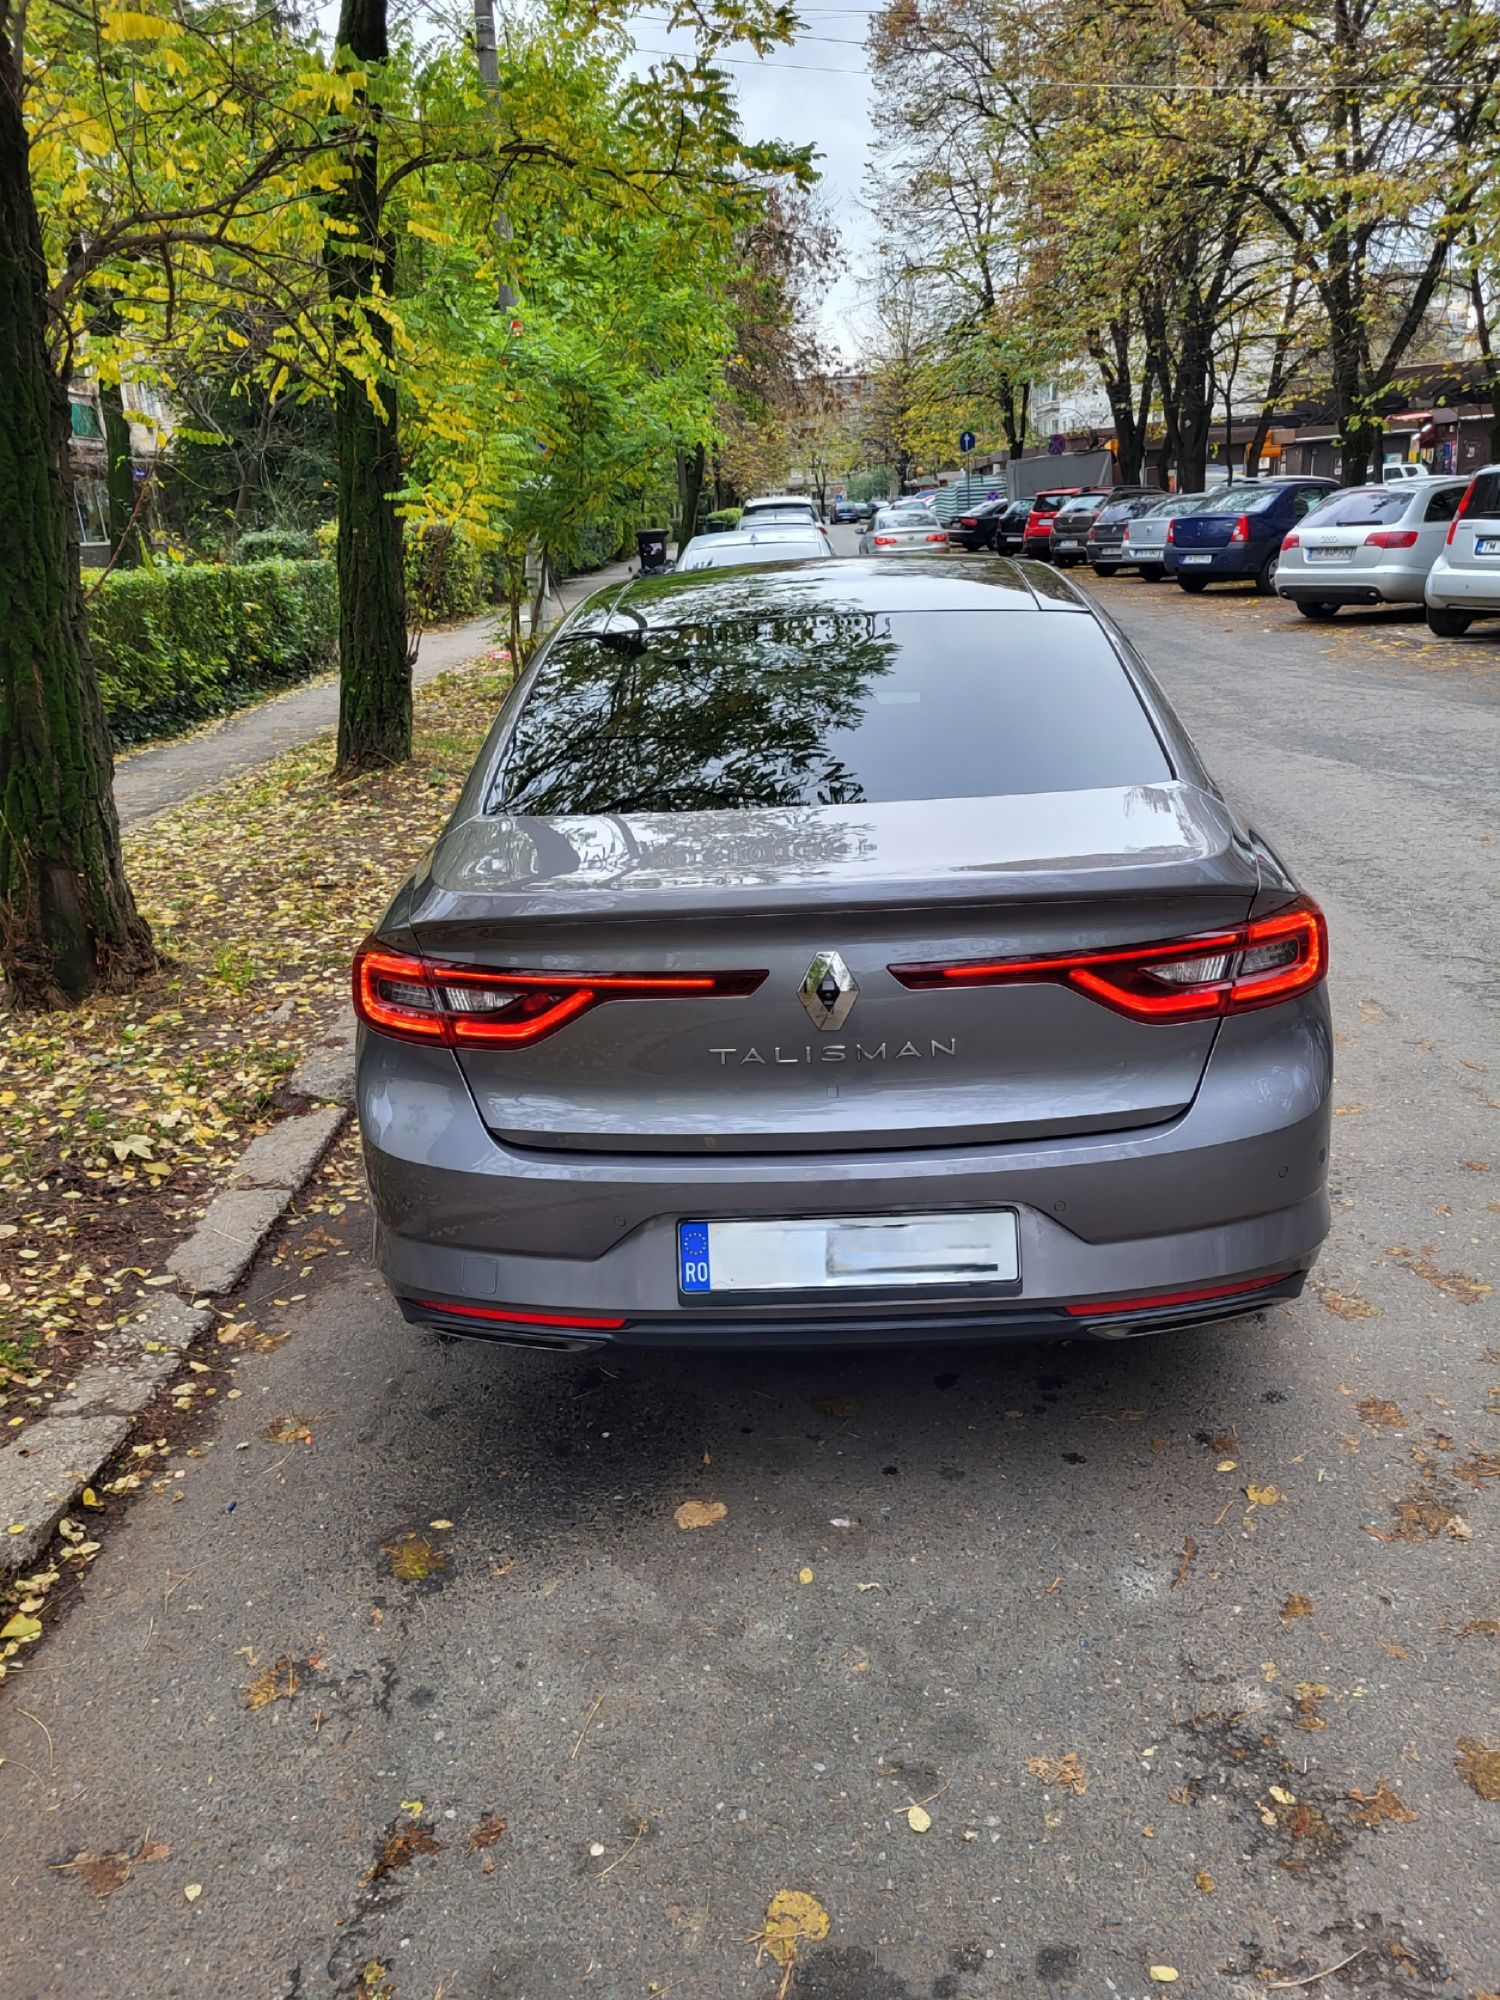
(413, 999)
(1255, 964)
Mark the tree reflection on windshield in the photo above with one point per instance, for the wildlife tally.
(739, 712)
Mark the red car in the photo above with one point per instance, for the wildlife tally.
(1038, 538)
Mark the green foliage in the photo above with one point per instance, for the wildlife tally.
(177, 642)
(721, 520)
(274, 545)
(594, 544)
(446, 576)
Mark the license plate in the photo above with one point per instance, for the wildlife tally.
(1195, 559)
(1330, 555)
(844, 1252)
(1069, 545)
(1486, 545)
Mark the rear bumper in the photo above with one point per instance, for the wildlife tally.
(1231, 1192)
(796, 1331)
(1244, 560)
(1348, 584)
(1474, 590)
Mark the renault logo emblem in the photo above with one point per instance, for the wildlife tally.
(828, 990)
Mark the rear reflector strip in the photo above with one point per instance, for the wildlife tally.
(1180, 979)
(508, 1316)
(413, 999)
(1155, 1301)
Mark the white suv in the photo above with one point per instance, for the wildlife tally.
(1464, 583)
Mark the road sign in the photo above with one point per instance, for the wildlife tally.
(966, 440)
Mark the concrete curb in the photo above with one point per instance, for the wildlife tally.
(49, 1464)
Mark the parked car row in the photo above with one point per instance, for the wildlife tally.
(1424, 538)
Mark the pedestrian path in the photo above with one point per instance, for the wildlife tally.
(148, 781)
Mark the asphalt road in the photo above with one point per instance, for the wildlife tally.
(1154, 1722)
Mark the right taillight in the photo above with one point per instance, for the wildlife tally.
(1199, 978)
(413, 999)
(1463, 508)
(1392, 538)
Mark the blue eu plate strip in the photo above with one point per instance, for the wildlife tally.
(693, 1273)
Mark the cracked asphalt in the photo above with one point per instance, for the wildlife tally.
(1187, 1647)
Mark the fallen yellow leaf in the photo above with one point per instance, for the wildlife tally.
(700, 1513)
(1205, 1882)
(918, 1819)
(792, 1916)
(1227, 1465)
(1164, 1975)
(1282, 1796)
(21, 1627)
(193, 1890)
(1263, 1496)
(440, 1524)
(804, 1576)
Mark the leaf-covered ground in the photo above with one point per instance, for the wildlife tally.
(119, 1121)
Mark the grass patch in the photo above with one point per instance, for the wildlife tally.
(119, 1120)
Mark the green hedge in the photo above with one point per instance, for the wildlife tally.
(181, 641)
(274, 544)
(720, 521)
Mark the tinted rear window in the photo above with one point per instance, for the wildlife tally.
(1366, 509)
(1486, 500)
(827, 708)
(766, 517)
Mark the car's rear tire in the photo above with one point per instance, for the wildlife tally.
(1192, 584)
(1265, 576)
(1106, 569)
(1447, 624)
(1151, 572)
(1316, 608)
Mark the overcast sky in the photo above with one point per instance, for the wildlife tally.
(816, 91)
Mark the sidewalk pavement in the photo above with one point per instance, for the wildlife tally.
(148, 781)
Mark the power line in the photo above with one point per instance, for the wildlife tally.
(1144, 89)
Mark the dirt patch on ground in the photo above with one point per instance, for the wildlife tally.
(119, 1121)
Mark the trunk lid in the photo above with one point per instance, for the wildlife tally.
(771, 889)
(1204, 531)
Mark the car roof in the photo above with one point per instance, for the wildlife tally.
(778, 500)
(659, 601)
(774, 531)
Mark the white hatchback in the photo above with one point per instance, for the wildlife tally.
(1464, 582)
(1367, 545)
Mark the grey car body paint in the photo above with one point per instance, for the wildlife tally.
(1140, 1157)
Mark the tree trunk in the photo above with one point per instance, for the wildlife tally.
(68, 922)
(374, 662)
(690, 466)
(124, 537)
(1194, 406)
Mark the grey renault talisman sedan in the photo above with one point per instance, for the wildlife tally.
(843, 953)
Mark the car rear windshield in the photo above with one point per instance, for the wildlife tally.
(1485, 498)
(766, 517)
(826, 707)
(1365, 509)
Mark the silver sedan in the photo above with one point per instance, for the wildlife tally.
(1370, 545)
(905, 531)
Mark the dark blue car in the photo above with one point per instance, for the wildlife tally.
(1240, 541)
